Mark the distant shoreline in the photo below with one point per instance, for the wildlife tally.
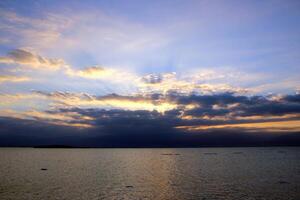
(138, 147)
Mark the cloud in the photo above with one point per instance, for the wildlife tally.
(83, 100)
(9, 78)
(152, 78)
(92, 72)
(117, 120)
(274, 126)
(198, 82)
(31, 60)
(101, 73)
(64, 119)
(171, 82)
(229, 107)
(108, 101)
(22, 100)
(291, 98)
(215, 109)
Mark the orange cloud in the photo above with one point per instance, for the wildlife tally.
(95, 72)
(8, 78)
(275, 126)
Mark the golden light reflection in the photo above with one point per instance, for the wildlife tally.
(76, 125)
(289, 126)
(120, 104)
(260, 117)
(64, 100)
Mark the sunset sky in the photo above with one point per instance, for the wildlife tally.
(149, 73)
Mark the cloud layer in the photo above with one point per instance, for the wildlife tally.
(146, 120)
(161, 109)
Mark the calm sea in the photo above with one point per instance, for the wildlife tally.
(200, 173)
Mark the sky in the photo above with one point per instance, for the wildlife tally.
(149, 73)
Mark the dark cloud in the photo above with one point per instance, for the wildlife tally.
(21, 132)
(208, 111)
(269, 108)
(141, 128)
(238, 105)
(208, 100)
(131, 131)
(292, 98)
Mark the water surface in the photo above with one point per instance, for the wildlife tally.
(200, 173)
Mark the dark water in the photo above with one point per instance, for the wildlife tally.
(205, 173)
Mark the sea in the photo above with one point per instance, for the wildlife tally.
(256, 173)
